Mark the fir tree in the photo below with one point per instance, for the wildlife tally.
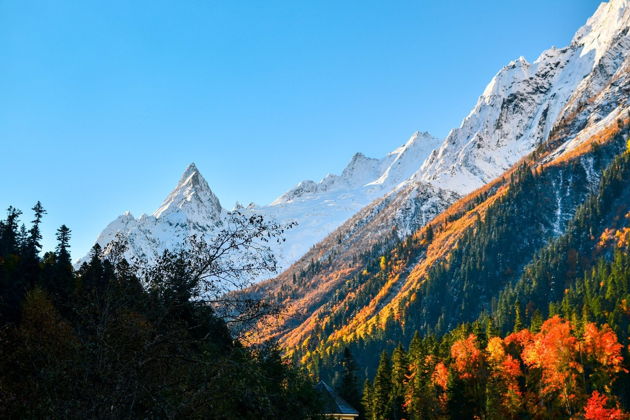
(349, 387)
(382, 388)
(35, 236)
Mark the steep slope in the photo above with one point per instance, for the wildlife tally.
(471, 259)
(523, 102)
(524, 105)
(191, 208)
(319, 208)
(381, 289)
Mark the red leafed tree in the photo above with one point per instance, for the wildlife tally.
(440, 376)
(595, 409)
(554, 352)
(467, 357)
(505, 371)
(602, 352)
(440, 381)
(467, 389)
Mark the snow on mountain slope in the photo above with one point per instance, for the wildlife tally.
(190, 209)
(317, 207)
(567, 103)
(192, 197)
(584, 83)
(521, 104)
(369, 174)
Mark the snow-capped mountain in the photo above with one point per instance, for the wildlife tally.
(586, 83)
(190, 209)
(317, 207)
(523, 102)
(571, 106)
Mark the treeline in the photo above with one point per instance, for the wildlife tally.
(111, 341)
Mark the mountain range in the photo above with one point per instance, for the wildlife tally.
(440, 232)
(449, 244)
(516, 112)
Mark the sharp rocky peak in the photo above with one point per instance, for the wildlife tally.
(192, 195)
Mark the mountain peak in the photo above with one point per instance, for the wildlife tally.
(601, 29)
(191, 169)
(191, 195)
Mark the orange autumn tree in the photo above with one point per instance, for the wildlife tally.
(554, 373)
(553, 353)
(440, 381)
(544, 373)
(603, 358)
(467, 357)
(596, 409)
(468, 383)
(505, 394)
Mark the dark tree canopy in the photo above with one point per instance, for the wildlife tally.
(114, 341)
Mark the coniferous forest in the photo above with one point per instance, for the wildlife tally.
(477, 268)
(554, 343)
(112, 341)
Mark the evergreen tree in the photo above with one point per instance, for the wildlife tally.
(63, 245)
(349, 387)
(9, 232)
(35, 236)
(113, 343)
(367, 401)
(399, 374)
(382, 389)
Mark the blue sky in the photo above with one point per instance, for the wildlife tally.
(104, 103)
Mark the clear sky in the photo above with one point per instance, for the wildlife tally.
(103, 104)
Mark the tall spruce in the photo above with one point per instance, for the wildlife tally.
(35, 235)
(349, 387)
(382, 389)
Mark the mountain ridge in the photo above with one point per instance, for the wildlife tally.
(594, 112)
(515, 114)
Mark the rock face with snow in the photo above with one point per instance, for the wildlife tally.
(190, 209)
(520, 109)
(523, 102)
(317, 207)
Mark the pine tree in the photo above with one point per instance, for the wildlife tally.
(399, 373)
(518, 322)
(382, 388)
(367, 401)
(9, 232)
(35, 235)
(63, 272)
(349, 387)
(63, 245)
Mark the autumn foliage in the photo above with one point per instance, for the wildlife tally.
(596, 409)
(556, 372)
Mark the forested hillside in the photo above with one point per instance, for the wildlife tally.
(513, 247)
(573, 364)
(112, 341)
